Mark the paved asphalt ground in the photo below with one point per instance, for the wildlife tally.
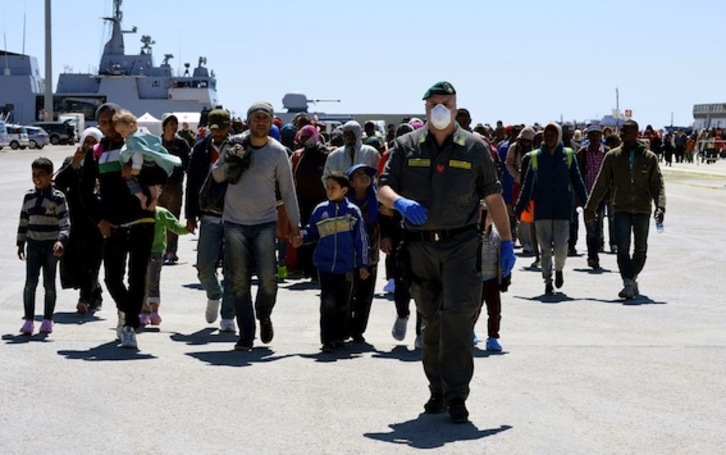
(581, 372)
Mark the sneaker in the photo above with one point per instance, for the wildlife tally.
(243, 345)
(493, 345)
(154, 318)
(329, 346)
(282, 273)
(418, 344)
(628, 292)
(613, 248)
(435, 404)
(476, 339)
(82, 308)
(399, 328)
(28, 327)
(559, 279)
(535, 265)
(128, 337)
(549, 290)
(266, 331)
(358, 339)
(457, 411)
(390, 287)
(635, 288)
(144, 319)
(227, 325)
(212, 310)
(593, 263)
(120, 324)
(46, 326)
(572, 251)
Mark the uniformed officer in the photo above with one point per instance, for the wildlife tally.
(435, 177)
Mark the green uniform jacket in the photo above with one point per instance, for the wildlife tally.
(632, 191)
(165, 220)
(449, 183)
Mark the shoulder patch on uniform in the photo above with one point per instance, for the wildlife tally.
(419, 162)
(460, 164)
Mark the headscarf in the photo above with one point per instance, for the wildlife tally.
(306, 133)
(93, 132)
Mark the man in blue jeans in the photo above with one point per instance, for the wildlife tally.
(632, 175)
(211, 232)
(250, 221)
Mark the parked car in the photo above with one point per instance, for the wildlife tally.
(37, 137)
(18, 137)
(59, 132)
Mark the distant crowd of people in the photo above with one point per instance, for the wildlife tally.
(445, 202)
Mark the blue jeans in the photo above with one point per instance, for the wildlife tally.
(638, 224)
(209, 251)
(39, 255)
(248, 247)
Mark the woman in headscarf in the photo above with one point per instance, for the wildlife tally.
(81, 262)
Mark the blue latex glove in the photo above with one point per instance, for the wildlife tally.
(414, 212)
(507, 258)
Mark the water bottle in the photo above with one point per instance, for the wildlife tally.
(659, 227)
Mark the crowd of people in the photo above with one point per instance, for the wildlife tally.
(446, 203)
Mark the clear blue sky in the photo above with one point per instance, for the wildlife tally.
(518, 61)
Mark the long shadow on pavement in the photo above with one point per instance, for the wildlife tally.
(68, 318)
(106, 352)
(12, 338)
(558, 297)
(204, 336)
(429, 432)
(231, 358)
(639, 300)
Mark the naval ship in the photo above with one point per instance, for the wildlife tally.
(130, 80)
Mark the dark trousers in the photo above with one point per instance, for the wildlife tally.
(401, 293)
(447, 290)
(574, 230)
(335, 292)
(636, 224)
(594, 230)
(129, 246)
(492, 298)
(360, 305)
(39, 256)
(171, 199)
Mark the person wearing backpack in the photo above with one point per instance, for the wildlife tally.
(552, 180)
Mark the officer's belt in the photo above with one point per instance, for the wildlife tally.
(435, 236)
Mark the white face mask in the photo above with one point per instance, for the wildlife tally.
(440, 117)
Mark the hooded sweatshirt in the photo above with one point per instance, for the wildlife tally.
(342, 158)
(551, 185)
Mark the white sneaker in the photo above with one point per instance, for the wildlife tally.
(399, 328)
(227, 325)
(390, 287)
(418, 344)
(128, 337)
(212, 310)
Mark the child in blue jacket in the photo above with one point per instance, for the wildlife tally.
(342, 246)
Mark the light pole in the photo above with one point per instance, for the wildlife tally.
(48, 98)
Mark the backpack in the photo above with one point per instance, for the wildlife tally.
(534, 157)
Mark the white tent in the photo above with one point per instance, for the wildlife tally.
(151, 123)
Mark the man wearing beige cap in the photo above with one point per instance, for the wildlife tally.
(250, 221)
